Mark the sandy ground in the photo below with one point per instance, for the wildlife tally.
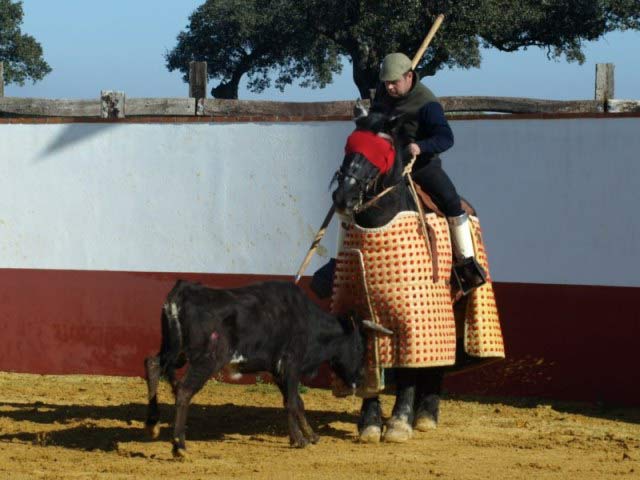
(92, 427)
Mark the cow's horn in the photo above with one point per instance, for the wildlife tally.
(378, 328)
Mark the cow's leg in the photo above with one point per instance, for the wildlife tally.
(427, 406)
(152, 375)
(307, 431)
(196, 376)
(399, 428)
(370, 421)
(301, 418)
(288, 382)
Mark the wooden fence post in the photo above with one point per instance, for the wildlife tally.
(604, 83)
(1, 80)
(198, 84)
(112, 104)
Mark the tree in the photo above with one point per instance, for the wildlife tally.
(306, 38)
(21, 53)
(257, 38)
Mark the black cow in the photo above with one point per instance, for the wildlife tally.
(270, 326)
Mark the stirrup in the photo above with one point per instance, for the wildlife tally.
(469, 275)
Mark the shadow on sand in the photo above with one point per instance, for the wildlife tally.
(206, 422)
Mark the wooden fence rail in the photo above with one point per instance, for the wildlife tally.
(113, 105)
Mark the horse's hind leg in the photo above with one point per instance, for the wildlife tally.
(399, 426)
(427, 406)
(152, 375)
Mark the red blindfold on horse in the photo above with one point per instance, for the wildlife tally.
(375, 148)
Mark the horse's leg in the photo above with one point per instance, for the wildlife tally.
(370, 421)
(399, 428)
(427, 405)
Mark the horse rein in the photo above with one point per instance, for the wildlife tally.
(405, 173)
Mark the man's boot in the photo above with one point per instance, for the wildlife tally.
(370, 421)
(467, 272)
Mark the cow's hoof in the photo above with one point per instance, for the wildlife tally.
(153, 430)
(370, 434)
(314, 438)
(180, 453)
(425, 423)
(398, 431)
(299, 442)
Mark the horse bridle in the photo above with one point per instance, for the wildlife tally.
(356, 171)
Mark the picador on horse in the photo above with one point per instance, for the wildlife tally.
(410, 256)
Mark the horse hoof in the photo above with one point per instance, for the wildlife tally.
(370, 434)
(153, 431)
(425, 423)
(398, 431)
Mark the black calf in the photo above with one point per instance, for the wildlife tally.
(270, 327)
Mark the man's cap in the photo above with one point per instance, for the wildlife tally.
(394, 66)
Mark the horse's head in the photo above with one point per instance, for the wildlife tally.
(369, 156)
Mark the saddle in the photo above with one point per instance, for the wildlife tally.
(430, 205)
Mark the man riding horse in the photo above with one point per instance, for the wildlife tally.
(394, 263)
(425, 133)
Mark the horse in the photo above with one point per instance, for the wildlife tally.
(372, 197)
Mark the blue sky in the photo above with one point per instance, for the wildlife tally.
(120, 45)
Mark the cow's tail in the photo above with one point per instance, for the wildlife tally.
(171, 354)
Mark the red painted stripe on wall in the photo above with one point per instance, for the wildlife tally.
(563, 342)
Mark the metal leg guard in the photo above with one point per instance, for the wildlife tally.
(467, 272)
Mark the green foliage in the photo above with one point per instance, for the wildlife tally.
(20, 53)
(256, 38)
(306, 39)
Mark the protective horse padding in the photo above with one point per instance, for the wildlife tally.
(386, 274)
(482, 331)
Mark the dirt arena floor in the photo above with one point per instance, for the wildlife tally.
(92, 427)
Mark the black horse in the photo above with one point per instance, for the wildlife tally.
(359, 182)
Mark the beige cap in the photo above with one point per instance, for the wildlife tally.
(394, 66)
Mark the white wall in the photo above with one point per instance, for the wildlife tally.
(557, 199)
(555, 196)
